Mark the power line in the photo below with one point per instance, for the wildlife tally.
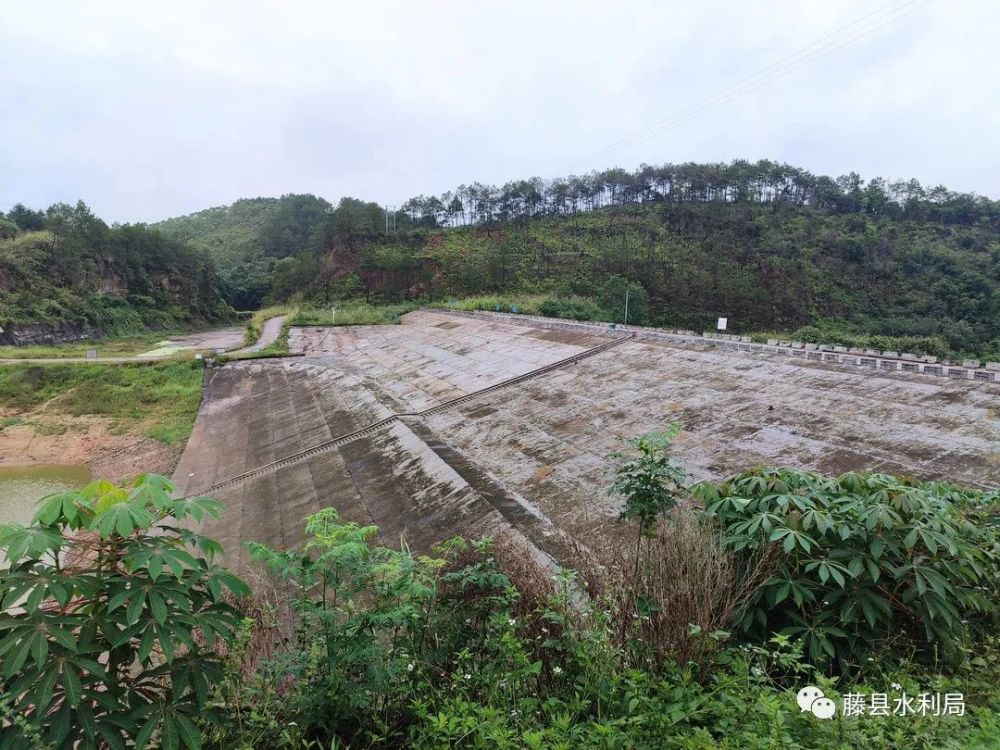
(781, 74)
(856, 30)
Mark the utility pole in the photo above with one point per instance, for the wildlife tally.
(626, 307)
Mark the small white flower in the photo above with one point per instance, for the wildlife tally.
(512, 622)
(556, 670)
(409, 667)
(468, 676)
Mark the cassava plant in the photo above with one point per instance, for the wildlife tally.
(867, 560)
(110, 611)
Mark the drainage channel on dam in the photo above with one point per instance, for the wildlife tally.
(375, 427)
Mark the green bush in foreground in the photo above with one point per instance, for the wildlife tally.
(868, 558)
(108, 629)
(354, 644)
(393, 649)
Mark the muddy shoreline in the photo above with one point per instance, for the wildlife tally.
(90, 441)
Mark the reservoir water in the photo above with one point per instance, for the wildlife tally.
(21, 487)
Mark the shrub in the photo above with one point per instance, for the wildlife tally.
(375, 630)
(836, 332)
(572, 308)
(391, 649)
(649, 479)
(867, 559)
(612, 299)
(354, 314)
(110, 616)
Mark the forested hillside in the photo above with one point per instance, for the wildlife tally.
(63, 272)
(768, 245)
(248, 239)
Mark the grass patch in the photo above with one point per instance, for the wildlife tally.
(526, 304)
(10, 422)
(158, 400)
(354, 314)
(117, 347)
(279, 348)
(125, 346)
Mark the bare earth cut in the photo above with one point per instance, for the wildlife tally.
(91, 441)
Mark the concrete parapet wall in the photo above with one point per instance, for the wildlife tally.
(869, 359)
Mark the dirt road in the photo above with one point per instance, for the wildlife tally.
(268, 335)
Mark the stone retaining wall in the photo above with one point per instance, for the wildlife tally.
(34, 334)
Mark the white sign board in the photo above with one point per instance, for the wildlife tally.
(722, 323)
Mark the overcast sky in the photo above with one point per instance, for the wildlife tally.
(148, 110)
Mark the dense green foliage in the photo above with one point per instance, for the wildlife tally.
(249, 239)
(157, 399)
(107, 630)
(395, 649)
(354, 644)
(65, 266)
(769, 246)
(869, 559)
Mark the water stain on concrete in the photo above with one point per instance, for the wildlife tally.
(532, 459)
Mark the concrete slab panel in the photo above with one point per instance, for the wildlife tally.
(530, 459)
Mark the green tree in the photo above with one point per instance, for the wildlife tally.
(649, 479)
(111, 610)
(612, 298)
(8, 229)
(26, 219)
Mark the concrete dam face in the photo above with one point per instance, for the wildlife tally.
(467, 425)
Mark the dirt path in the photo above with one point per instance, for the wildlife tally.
(268, 335)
